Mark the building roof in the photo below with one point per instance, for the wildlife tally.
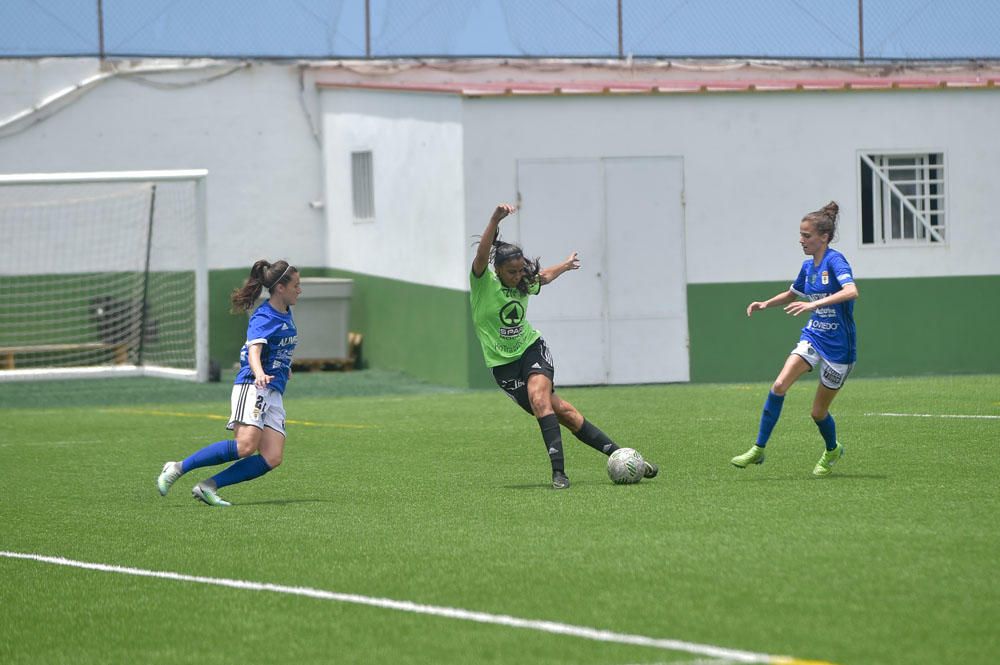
(567, 77)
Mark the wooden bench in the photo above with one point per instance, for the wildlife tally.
(8, 353)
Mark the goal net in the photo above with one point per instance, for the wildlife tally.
(103, 274)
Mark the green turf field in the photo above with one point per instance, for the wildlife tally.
(393, 489)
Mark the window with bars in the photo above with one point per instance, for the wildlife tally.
(902, 198)
(363, 186)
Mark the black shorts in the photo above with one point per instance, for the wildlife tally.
(513, 377)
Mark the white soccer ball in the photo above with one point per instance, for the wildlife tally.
(626, 466)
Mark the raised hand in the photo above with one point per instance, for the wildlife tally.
(502, 211)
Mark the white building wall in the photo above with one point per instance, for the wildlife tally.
(250, 129)
(755, 163)
(418, 234)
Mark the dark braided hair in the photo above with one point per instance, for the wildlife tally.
(825, 220)
(262, 275)
(503, 252)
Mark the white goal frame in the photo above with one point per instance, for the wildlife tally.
(198, 177)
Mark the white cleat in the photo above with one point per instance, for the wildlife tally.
(206, 494)
(171, 472)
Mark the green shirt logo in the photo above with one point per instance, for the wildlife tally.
(511, 316)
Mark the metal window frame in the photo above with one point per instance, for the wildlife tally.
(363, 185)
(886, 192)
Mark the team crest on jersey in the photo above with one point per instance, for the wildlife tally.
(825, 279)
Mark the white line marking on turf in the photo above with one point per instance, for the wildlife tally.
(932, 415)
(433, 610)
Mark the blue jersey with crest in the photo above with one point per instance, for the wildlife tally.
(830, 329)
(276, 332)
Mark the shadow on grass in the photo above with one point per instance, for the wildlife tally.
(238, 504)
(581, 483)
(283, 502)
(841, 477)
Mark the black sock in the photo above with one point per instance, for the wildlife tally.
(592, 435)
(553, 440)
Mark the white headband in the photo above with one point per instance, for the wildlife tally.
(278, 281)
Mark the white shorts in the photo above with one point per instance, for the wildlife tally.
(831, 375)
(258, 408)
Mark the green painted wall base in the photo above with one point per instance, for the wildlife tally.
(424, 331)
(906, 327)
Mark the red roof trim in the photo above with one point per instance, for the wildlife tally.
(670, 86)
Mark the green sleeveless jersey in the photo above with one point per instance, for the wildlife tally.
(499, 315)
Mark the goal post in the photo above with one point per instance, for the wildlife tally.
(104, 274)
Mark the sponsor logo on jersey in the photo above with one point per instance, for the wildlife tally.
(822, 325)
(512, 316)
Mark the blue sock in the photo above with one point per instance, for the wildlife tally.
(216, 453)
(769, 417)
(828, 429)
(247, 468)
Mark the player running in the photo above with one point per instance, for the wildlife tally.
(258, 415)
(828, 341)
(516, 353)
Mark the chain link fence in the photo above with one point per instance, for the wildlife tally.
(879, 30)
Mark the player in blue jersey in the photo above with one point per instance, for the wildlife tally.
(828, 342)
(257, 418)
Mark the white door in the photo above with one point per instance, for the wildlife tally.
(562, 211)
(622, 318)
(646, 276)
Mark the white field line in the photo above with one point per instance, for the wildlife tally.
(728, 655)
(932, 415)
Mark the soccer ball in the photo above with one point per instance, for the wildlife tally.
(626, 466)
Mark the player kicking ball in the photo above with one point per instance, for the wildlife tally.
(516, 353)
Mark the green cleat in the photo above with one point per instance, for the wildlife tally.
(171, 472)
(206, 494)
(753, 456)
(824, 467)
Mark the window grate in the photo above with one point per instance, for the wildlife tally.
(902, 198)
(363, 186)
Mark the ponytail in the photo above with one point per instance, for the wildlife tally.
(262, 275)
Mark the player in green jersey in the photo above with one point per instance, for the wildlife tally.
(515, 352)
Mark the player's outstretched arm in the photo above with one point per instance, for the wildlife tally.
(482, 259)
(849, 292)
(546, 275)
(782, 298)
